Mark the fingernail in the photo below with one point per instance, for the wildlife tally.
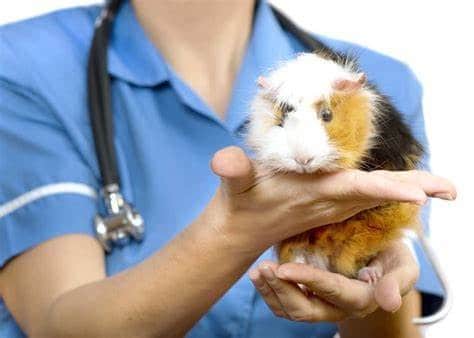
(253, 274)
(254, 277)
(267, 273)
(444, 196)
(399, 304)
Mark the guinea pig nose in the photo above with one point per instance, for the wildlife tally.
(303, 160)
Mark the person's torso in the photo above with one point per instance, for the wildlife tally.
(165, 136)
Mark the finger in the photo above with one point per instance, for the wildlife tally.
(345, 293)
(289, 296)
(405, 277)
(357, 184)
(297, 305)
(235, 169)
(401, 273)
(434, 186)
(387, 294)
(398, 261)
(267, 293)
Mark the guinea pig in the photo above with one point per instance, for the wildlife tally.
(319, 113)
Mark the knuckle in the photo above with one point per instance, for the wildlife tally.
(355, 180)
(413, 176)
(277, 287)
(300, 316)
(334, 289)
(382, 185)
(420, 173)
(333, 292)
(265, 291)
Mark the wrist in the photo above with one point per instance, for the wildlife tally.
(230, 228)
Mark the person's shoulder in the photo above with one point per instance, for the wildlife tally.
(393, 77)
(41, 48)
(43, 60)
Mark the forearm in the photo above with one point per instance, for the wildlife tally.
(162, 297)
(384, 324)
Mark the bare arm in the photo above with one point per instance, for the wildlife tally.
(59, 288)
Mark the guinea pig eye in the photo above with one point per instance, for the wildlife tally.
(284, 108)
(325, 115)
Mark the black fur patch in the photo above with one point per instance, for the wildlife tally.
(395, 147)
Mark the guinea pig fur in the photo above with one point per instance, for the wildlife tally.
(319, 113)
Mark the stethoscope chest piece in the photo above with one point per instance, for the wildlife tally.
(121, 222)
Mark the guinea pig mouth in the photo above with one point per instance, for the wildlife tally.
(315, 165)
(306, 168)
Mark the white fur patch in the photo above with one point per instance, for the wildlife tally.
(314, 258)
(317, 260)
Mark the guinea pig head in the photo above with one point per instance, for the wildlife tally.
(311, 114)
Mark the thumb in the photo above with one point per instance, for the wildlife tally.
(387, 294)
(235, 169)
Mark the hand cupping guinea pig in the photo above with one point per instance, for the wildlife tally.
(318, 113)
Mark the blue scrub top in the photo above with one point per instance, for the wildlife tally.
(165, 137)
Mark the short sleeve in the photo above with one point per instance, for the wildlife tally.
(46, 188)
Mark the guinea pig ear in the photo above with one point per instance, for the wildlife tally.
(263, 83)
(346, 85)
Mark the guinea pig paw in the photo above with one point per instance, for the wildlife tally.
(369, 274)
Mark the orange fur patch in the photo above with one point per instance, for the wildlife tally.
(351, 126)
(350, 245)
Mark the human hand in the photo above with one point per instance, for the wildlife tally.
(333, 297)
(256, 209)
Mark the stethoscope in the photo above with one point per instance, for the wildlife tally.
(121, 222)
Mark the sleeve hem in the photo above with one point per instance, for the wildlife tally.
(43, 219)
(44, 191)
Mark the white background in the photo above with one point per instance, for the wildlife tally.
(436, 39)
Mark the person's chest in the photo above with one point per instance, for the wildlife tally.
(164, 147)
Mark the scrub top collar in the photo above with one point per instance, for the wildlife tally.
(134, 58)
